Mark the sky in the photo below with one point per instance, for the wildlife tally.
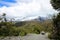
(26, 8)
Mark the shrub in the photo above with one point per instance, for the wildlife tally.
(22, 33)
(50, 36)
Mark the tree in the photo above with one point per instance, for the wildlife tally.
(4, 16)
(56, 28)
(56, 20)
(56, 4)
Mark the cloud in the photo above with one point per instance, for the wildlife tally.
(27, 8)
(24, 1)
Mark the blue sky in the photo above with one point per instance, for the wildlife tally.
(8, 1)
(2, 2)
(26, 8)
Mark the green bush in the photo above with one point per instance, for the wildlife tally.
(50, 36)
(36, 30)
(22, 33)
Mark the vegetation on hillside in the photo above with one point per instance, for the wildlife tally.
(23, 28)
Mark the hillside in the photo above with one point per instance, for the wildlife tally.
(25, 27)
(31, 25)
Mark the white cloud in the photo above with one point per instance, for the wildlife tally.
(32, 8)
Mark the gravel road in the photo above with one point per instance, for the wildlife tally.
(28, 37)
(35, 37)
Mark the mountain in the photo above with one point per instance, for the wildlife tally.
(41, 19)
(39, 23)
(35, 20)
